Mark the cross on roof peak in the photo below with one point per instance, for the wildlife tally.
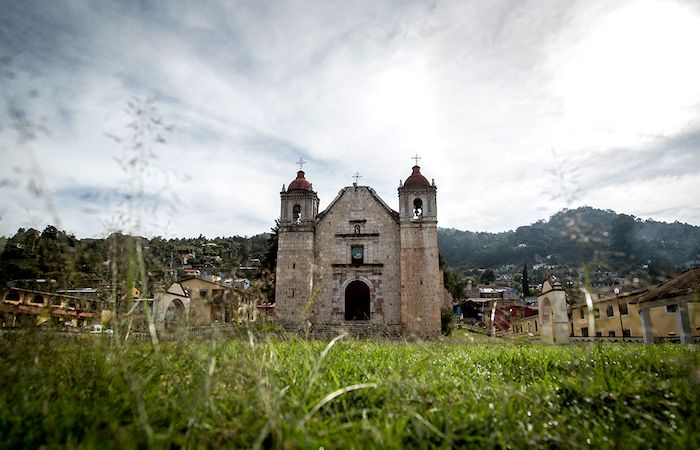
(416, 158)
(301, 163)
(357, 177)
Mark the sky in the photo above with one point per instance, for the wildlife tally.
(179, 118)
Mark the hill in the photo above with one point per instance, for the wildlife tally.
(55, 255)
(576, 238)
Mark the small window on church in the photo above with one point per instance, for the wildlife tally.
(296, 213)
(417, 208)
(357, 229)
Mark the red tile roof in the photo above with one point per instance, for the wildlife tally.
(416, 179)
(686, 283)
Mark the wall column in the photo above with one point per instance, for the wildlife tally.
(645, 318)
(684, 328)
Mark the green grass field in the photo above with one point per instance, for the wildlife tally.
(88, 392)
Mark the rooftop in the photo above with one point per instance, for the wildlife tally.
(416, 178)
(300, 183)
(686, 283)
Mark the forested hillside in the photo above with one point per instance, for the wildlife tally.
(73, 262)
(584, 236)
(577, 237)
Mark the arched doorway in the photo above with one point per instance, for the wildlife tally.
(546, 312)
(174, 314)
(546, 315)
(357, 301)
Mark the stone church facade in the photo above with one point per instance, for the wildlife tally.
(359, 262)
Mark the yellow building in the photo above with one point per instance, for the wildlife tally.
(670, 311)
(679, 299)
(530, 326)
(21, 307)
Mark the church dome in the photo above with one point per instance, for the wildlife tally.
(300, 182)
(416, 179)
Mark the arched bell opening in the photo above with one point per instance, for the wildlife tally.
(417, 208)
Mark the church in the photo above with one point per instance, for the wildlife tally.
(359, 263)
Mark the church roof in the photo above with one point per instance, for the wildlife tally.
(387, 208)
(416, 179)
(300, 182)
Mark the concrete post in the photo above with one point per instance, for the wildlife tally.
(684, 328)
(645, 318)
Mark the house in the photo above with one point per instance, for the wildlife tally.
(678, 299)
(214, 302)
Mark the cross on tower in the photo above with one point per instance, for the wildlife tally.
(301, 163)
(357, 177)
(417, 158)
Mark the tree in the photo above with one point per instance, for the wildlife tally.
(453, 283)
(526, 281)
(621, 233)
(447, 318)
(488, 277)
(270, 262)
(50, 232)
(270, 258)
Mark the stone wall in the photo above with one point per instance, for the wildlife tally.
(295, 266)
(357, 217)
(353, 329)
(421, 283)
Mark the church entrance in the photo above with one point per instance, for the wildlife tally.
(357, 301)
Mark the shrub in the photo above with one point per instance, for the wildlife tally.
(447, 318)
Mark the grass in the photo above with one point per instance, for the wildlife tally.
(89, 392)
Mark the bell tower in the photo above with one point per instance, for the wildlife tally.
(295, 253)
(421, 281)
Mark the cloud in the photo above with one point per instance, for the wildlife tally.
(665, 156)
(482, 91)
